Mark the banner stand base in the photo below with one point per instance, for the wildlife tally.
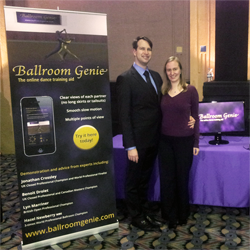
(55, 247)
(97, 236)
(53, 241)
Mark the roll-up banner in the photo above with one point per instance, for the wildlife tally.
(58, 62)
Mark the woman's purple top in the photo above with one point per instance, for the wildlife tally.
(176, 113)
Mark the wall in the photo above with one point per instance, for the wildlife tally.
(6, 123)
(202, 33)
(165, 22)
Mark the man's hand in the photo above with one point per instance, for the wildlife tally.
(133, 155)
(191, 122)
(196, 151)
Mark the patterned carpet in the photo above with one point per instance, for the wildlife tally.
(207, 228)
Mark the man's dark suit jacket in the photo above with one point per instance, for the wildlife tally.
(139, 109)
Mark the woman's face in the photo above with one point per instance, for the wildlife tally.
(173, 71)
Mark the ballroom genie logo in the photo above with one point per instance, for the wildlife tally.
(218, 117)
(57, 74)
(38, 18)
(62, 49)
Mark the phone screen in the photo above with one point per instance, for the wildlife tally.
(38, 125)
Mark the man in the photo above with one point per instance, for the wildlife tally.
(140, 116)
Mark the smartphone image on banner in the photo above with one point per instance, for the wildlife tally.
(38, 125)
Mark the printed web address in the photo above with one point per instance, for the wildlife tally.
(59, 227)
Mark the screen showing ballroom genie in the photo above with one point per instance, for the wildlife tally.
(221, 117)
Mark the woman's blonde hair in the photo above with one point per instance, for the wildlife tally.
(166, 86)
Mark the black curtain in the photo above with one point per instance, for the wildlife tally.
(231, 44)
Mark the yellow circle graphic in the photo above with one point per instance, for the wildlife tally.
(86, 137)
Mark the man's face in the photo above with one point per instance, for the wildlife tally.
(142, 54)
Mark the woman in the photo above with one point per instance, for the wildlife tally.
(178, 142)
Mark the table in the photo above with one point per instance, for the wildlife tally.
(219, 175)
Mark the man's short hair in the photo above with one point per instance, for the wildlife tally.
(135, 42)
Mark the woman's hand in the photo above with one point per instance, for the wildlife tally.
(196, 151)
(191, 122)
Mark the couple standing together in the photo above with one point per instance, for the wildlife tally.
(156, 117)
